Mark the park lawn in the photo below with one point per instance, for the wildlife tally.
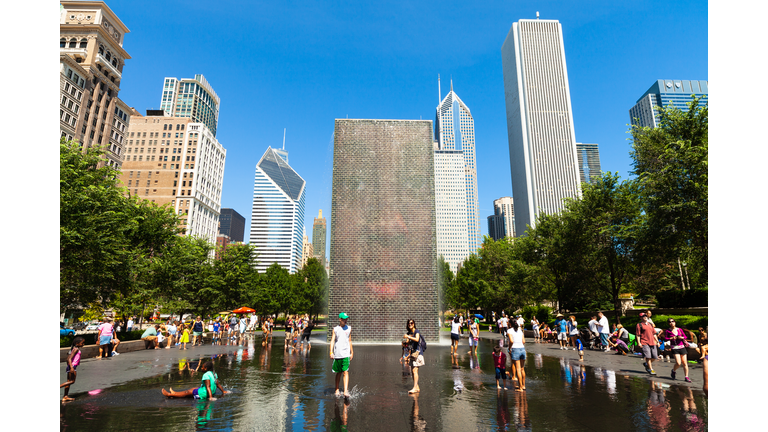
(690, 322)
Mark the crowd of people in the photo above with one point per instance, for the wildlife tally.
(655, 343)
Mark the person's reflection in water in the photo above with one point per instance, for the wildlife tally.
(538, 361)
(690, 420)
(417, 421)
(458, 385)
(339, 422)
(522, 421)
(203, 413)
(657, 407)
(502, 409)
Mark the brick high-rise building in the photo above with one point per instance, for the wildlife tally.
(383, 241)
(91, 60)
(173, 160)
(319, 233)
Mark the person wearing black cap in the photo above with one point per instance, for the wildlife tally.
(341, 352)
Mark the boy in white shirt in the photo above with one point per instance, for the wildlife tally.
(341, 352)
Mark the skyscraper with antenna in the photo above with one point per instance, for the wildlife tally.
(458, 217)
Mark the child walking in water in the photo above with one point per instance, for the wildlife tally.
(205, 391)
(500, 362)
(73, 360)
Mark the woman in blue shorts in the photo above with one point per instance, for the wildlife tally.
(517, 354)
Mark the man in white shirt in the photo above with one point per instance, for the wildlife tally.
(604, 328)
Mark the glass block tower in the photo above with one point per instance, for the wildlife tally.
(663, 93)
(589, 162)
(193, 98)
(455, 134)
(542, 143)
(383, 248)
(277, 217)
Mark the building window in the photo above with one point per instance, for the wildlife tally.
(83, 43)
(73, 43)
(63, 43)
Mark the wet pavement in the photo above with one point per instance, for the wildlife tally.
(277, 389)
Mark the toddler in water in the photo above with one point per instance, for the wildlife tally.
(73, 360)
(500, 362)
(406, 351)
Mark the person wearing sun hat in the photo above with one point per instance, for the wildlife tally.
(342, 352)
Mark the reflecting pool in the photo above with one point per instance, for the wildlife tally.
(286, 389)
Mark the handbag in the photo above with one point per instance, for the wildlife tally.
(418, 361)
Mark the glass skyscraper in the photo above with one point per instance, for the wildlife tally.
(277, 218)
(455, 135)
(542, 142)
(589, 162)
(193, 98)
(664, 93)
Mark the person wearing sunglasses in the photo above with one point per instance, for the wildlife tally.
(678, 341)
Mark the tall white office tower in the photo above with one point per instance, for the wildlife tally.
(277, 217)
(193, 98)
(451, 207)
(542, 143)
(455, 133)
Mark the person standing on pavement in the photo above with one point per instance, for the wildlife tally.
(562, 331)
(648, 343)
(171, 335)
(535, 324)
(677, 339)
(605, 329)
(503, 326)
(129, 326)
(197, 331)
(573, 331)
(105, 338)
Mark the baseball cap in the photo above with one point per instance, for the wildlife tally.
(343, 315)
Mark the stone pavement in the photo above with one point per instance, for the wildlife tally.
(630, 364)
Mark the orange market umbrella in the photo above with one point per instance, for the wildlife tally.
(243, 310)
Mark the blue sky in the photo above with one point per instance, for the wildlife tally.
(300, 65)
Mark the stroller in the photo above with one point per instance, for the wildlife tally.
(589, 340)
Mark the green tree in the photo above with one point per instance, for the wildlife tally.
(234, 280)
(312, 288)
(94, 253)
(671, 164)
(274, 290)
(609, 215)
(183, 279)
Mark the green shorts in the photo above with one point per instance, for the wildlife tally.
(340, 365)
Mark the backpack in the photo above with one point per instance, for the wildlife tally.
(422, 343)
(233, 321)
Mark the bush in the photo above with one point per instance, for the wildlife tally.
(690, 322)
(682, 299)
(542, 313)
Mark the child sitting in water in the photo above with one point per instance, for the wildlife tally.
(205, 391)
(73, 360)
(500, 362)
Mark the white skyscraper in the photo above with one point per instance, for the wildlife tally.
(451, 207)
(542, 142)
(277, 218)
(455, 134)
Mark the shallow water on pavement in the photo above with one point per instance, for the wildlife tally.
(277, 389)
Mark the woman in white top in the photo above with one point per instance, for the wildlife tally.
(517, 354)
(573, 331)
(535, 324)
(455, 329)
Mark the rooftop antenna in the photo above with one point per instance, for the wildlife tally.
(451, 82)
(439, 93)
(537, 14)
(283, 138)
